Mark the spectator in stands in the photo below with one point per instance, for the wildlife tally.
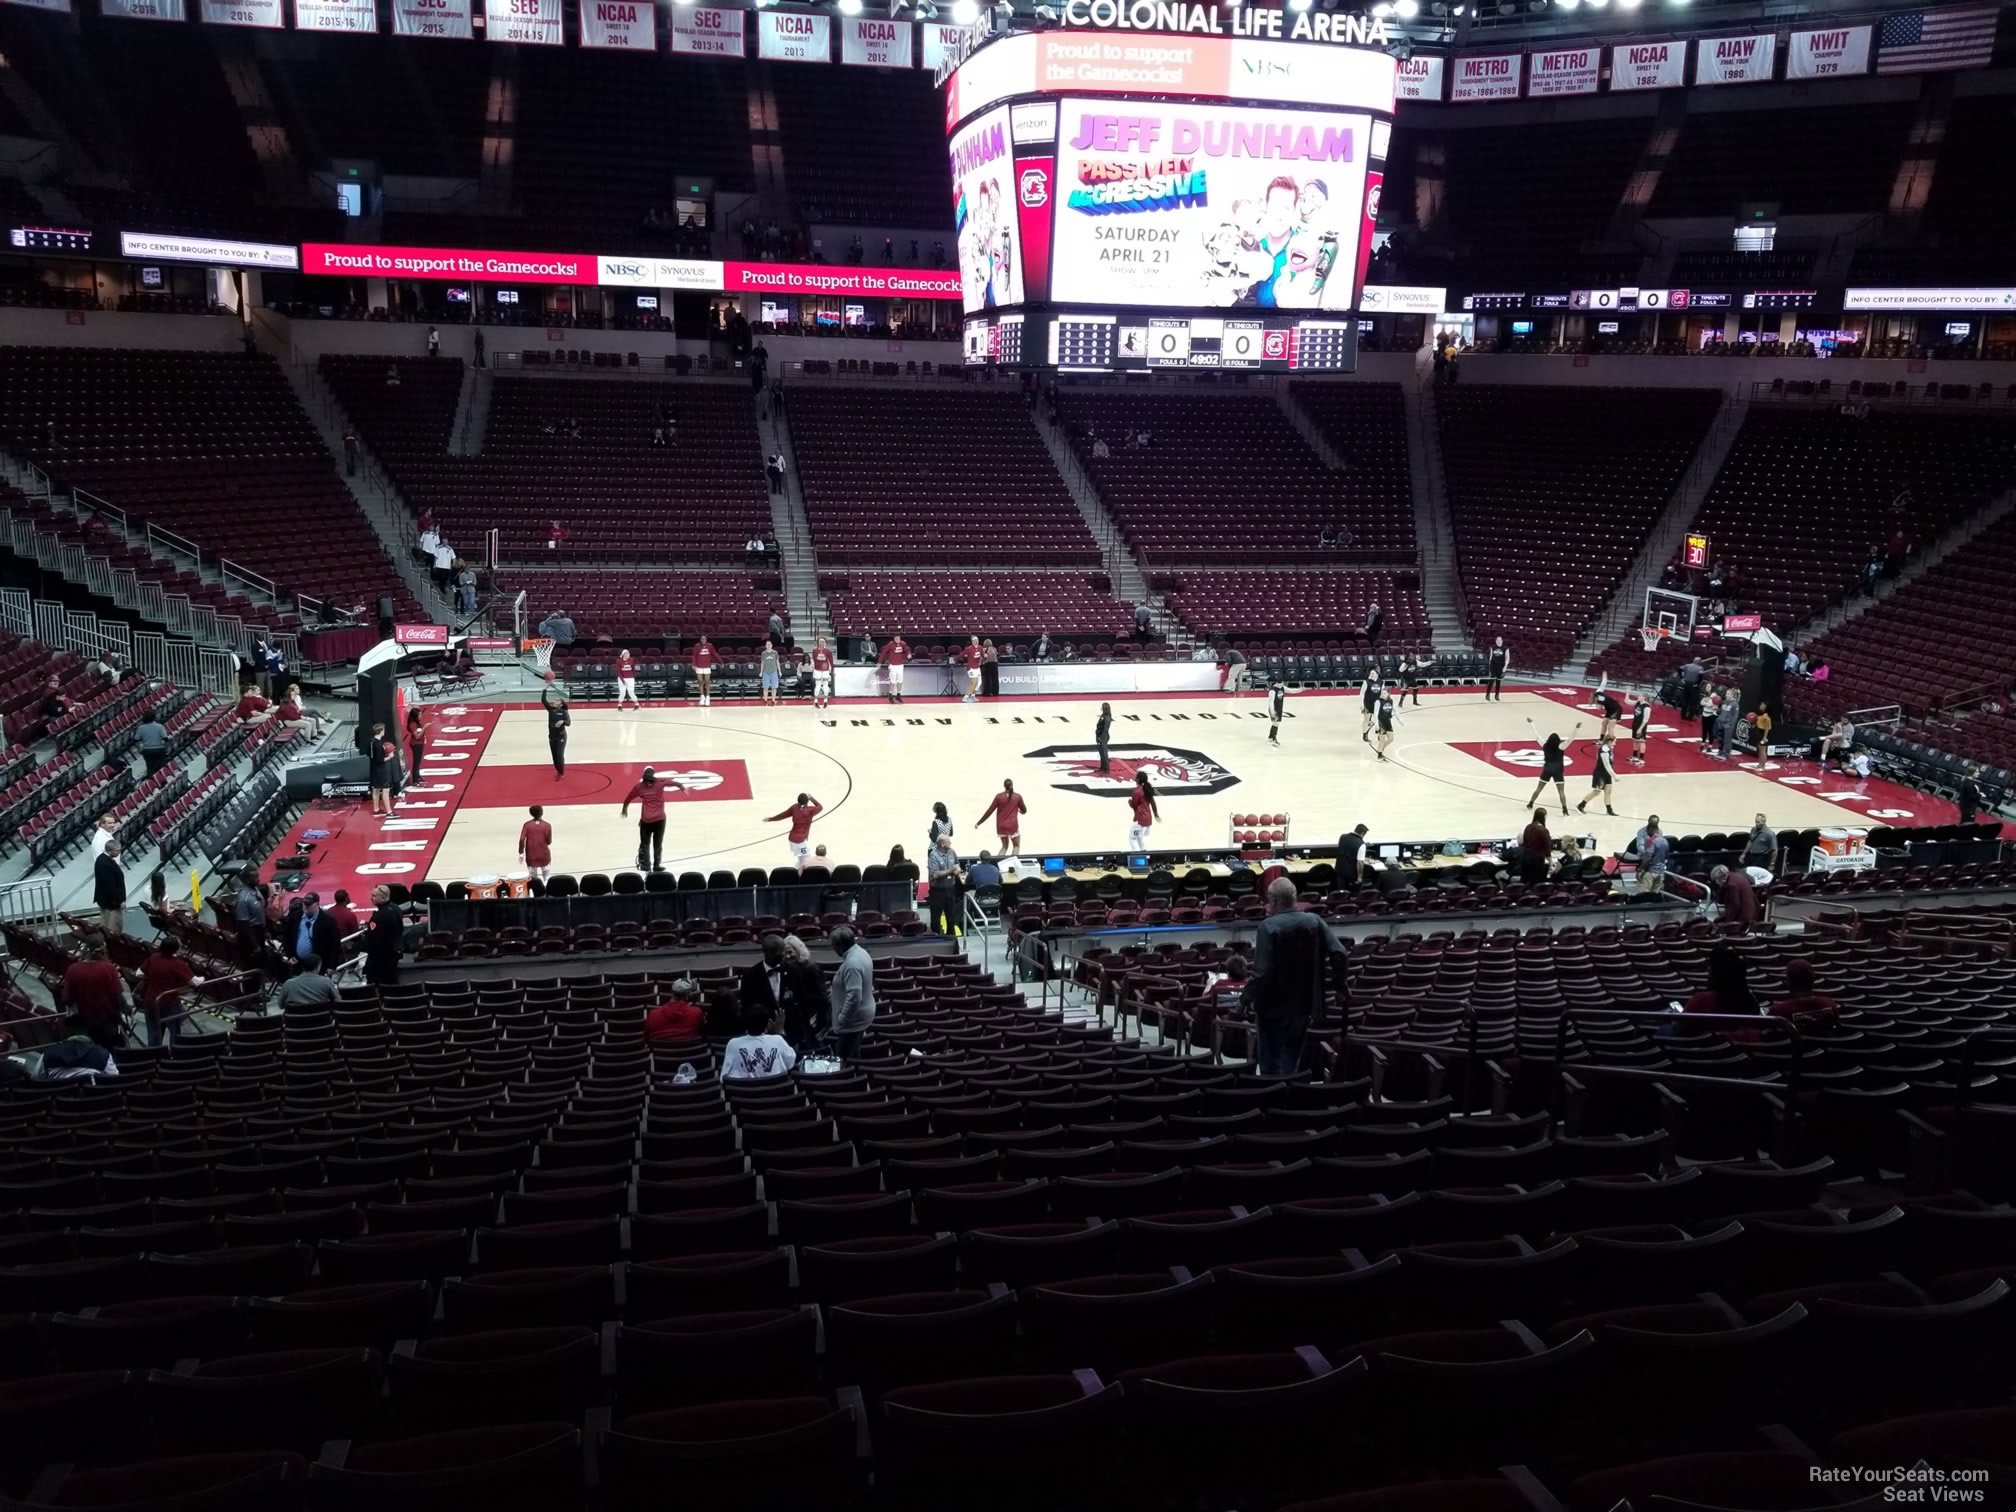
(465, 588)
(535, 844)
(1727, 718)
(383, 754)
(343, 914)
(1872, 569)
(293, 712)
(1653, 850)
(308, 987)
(444, 566)
(1041, 652)
(775, 468)
(1100, 449)
(310, 930)
(54, 704)
(1293, 952)
(759, 1051)
(430, 541)
(1794, 666)
(392, 375)
(1375, 622)
(1760, 849)
(1837, 743)
(164, 977)
(386, 941)
(1728, 989)
(1351, 857)
(433, 341)
(106, 832)
(350, 450)
(108, 888)
(1803, 1003)
(1536, 850)
(983, 872)
(95, 994)
(851, 993)
(1144, 621)
(1967, 794)
(678, 1019)
(786, 983)
(559, 627)
(479, 349)
(1737, 894)
(153, 738)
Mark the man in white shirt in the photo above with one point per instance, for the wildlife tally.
(108, 828)
(430, 541)
(444, 566)
(759, 1051)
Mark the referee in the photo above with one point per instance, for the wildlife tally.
(557, 721)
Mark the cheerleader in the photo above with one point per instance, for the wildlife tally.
(1368, 701)
(1384, 715)
(1603, 779)
(1641, 724)
(1553, 767)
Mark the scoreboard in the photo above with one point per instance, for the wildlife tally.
(1268, 342)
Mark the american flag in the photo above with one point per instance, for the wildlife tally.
(1920, 41)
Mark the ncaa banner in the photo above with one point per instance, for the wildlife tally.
(535, 23)
(1648, 65)
(1838, 52)
(1564, 71)
(1735, 60)
(143, 10)
(336, 15)
(267, 13)
(943, 43)
(432, 18)
(1487, 76)
(1420, 77)
(706, 31)
(794, 39)
(869, 43)
(629, 24)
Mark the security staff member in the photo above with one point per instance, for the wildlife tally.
(557, 721)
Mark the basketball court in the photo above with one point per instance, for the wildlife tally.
(1459, 767)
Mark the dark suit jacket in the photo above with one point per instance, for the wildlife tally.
(387, 937)
(1293, 954)
(108, 883)
(327, 937)
(804, 1005)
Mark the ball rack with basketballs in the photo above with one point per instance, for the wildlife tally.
(1257, 834)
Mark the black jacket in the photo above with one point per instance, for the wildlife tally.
(1292, 955)
(805, 1005)
(109, 883)
(387, 935)
(326, 938)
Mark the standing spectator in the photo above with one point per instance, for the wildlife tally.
(626, 680)
(1007, 809)
(153, 738)
(430, 537)
(1737, 894)
(384, 757)
(1293, 951)
(1144, 621)
(433, 341)
(775, 627)
(801, 814)
(479, 349)
(1536, 850)
(1654, 851)
(851, 994)
(108, 889)
(106, 831)
(248, 918)
(1102, 736)
(309, 930)
(649, 796)
(1761, 848)
(164, 977)
(95, 994)
(558, 719)
(383, 946)
(465, 588)
(1141, 804)
(1968, 794)
(444, 566)
(1727, 717)
(535, 844)
(1707, 707)
(1494, 670)
(1375, 622)
(895, 657)
(785, 982)
(350, 450)
(704, 657)
(344, 916)
(775, 468)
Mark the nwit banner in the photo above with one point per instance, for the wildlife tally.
(1735, 60)
(627, 24)
(536, 23)
(1566, 71)
(868, 43)
(794, 39)
(432, 18)
(1487, 76)
(336, 15)
(1420, 77)
(143, 10)
(707, 31)
(268, 13)
(1839, 52)
(1648, 65)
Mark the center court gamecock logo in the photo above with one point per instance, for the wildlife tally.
(1035, 187)
(1174, 772)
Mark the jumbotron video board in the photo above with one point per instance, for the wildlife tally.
(1140, 201)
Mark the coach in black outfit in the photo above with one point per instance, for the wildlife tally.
(557, 721)
(1102, 735)
(777, 981)
(387, 938)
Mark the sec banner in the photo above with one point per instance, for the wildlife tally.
(794, 39)
(533, 22)
(1565, 71)
(1839, 52)
(1735, 60)
(1648, 65)
(631, 25)
(1420, 77)
(707, 31)
(335, 15)
(1210, 206)
(866, 42)
(1487, 76)
(432, 18)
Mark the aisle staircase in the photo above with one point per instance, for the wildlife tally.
(1434, 531)
(793, 531)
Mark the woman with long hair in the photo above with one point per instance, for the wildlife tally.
(1728, 989)
(1553, 766)
(1142, 803)
(1602, 778)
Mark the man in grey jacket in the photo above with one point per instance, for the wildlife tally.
(1292, 954)
(852, 993)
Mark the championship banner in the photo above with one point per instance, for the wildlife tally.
(144, 10)
(432, 18)
(336, 15)
(536, 23)
(984, 197)
(943, 43)
(44, 5)
(866, 42)
(1735, 60)
(1563, 71)
(1840, 52)
(1420, 77)
(626, 24)
(266, 13)
(1648, 65)
(1487, 76)
(794, 39)
(707, 31)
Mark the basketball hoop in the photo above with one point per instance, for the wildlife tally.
(541, 647)
(1650, 636)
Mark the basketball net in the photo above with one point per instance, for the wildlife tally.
(541, 647)
(1651, 635)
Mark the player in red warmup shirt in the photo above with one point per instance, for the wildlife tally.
(535, 844)
(1007, 808)
(801, 814)
(974, 656)
(1142, 802)
(822, 673)
(626, 679)
(649, 796)
(703, 668)
(895, 657)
